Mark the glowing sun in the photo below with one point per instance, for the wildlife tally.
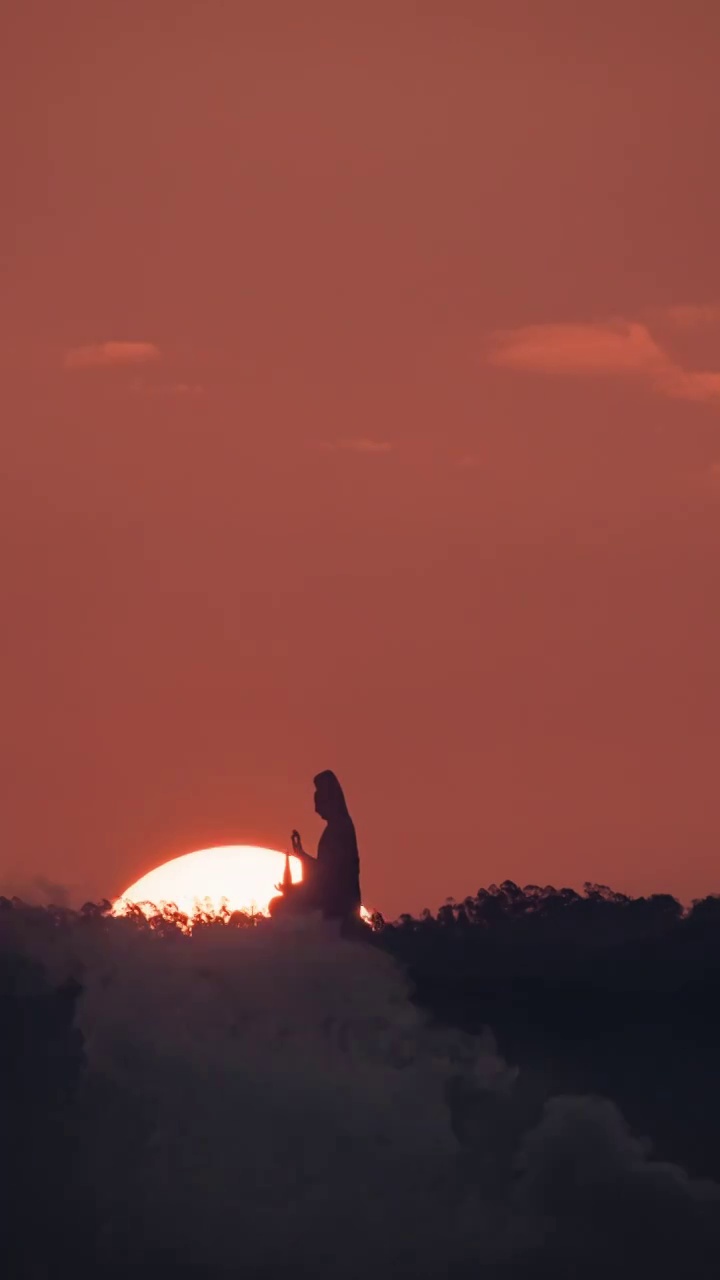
(243, 876)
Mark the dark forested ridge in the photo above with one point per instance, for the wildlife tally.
(591, 993)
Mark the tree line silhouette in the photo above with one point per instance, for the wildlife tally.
(593, 992)
(586, 992)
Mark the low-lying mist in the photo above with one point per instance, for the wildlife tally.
(267, 1100)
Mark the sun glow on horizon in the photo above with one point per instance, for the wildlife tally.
(241, 876)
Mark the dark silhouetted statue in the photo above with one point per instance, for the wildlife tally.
(331, 882)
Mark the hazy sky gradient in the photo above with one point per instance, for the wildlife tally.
(360, 379)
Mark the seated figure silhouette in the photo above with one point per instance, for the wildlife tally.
(331, 882)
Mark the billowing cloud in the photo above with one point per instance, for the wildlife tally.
(454, 1163)
(616, 348)
(108, 354)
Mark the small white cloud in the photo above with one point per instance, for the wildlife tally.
(184, 389)
(103, 355)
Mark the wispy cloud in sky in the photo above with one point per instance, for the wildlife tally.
(359, 444)
(168, 388)
(692, 316)
(684, 384)
(614, 348)
(109, 354)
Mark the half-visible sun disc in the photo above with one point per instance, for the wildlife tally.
(242, 876)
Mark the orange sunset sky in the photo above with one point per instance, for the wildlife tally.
(360, 400)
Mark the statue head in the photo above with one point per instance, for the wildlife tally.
(329, 798)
